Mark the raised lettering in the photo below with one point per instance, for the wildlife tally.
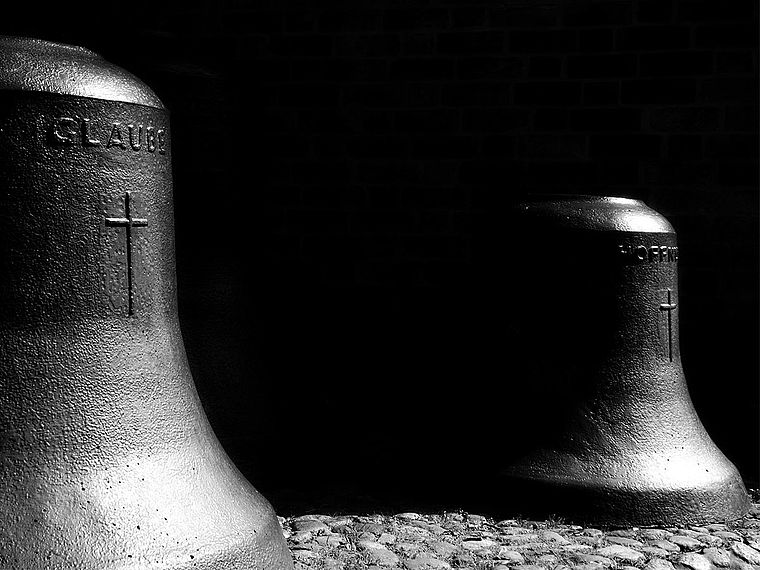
(86, 139)
(74, 131)
(135, 141)
(115, 138)
(161, 141)
(150, 139)
(650, 254)
(64, 130)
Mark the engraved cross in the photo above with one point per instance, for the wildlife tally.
(128, 222)
(669, 307)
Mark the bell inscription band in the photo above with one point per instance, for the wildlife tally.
(613, 436)
(106, 457)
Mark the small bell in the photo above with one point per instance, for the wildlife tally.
(610, 433)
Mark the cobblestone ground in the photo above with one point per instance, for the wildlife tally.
(415, 541)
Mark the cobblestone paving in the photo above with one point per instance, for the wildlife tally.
(413, 541)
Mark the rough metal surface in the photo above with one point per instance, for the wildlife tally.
(30, 64)
(106, 457)
(440, 541)
(592, 325)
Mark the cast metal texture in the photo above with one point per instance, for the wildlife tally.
(614, 437)
(106, 458)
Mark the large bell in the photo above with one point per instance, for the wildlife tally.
(608, 431)
(106, 457)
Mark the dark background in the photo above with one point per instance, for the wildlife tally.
(341, 170)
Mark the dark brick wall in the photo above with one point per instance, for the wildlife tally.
(340, 173)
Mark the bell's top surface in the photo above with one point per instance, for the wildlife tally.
(28, 64)
(596, 213)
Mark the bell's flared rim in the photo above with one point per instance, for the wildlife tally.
(32, 64)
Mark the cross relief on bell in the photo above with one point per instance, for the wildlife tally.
(667, 308)
(130, 223)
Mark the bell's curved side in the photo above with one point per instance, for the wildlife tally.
(614, 437)
(107, 459)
